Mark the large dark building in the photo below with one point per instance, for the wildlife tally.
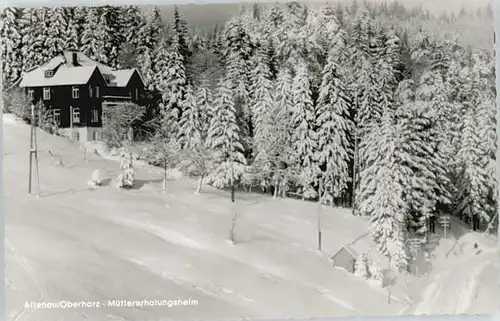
(75, 88)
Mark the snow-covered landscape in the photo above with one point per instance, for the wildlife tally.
(78, 243)
(294, 161)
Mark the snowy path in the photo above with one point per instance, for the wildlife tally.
(455, 290)
(75, 243)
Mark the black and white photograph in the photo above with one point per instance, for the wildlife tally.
(250, 160)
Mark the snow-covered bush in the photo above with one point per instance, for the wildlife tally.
(369, 270)
(376, 276)
(97, 177)
(127, 176)
(361, 267)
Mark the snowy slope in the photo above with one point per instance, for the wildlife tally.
(74, 243)
(465, 282)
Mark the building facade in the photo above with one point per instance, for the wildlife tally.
(74, 88)
(345, 258)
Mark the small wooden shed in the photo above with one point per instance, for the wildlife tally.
(345, 258)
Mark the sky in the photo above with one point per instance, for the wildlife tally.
(431, 4)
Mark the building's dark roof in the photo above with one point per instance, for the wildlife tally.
(66, 73)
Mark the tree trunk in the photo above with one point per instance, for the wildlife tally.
(200, 184)
(354, 173)
(276, 189)
(165, 175)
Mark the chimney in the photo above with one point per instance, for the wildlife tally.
(74, 60)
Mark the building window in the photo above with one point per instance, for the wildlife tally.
(76, 115)
(97, 91)
(90, 91)
(31, 94)
(46, 93)
(76, 92)
(49, 73)
(95, 115)
(57, 116)
(137, 94)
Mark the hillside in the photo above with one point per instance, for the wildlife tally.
(79, 244)
(75, 243)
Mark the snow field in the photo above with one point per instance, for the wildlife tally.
(108, 241)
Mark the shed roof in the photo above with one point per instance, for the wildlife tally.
(347, 248)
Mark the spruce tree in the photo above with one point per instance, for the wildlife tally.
(224, 137)
(261, 108)
(57, 37)
(237, 50)
(10, 44)
(91, 41)
(190, 124)
(334, 125)
(382, 192)
(303, 121)
(34, 32)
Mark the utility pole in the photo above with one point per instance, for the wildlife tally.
(33, 153)
(320, 209)
(233, 207)
(71, 121)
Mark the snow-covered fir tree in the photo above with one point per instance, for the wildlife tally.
(362, 266)
(304, 139)
(261, 109)
(34, 31)
(333, 127)
(172, 82)
(179, 36)
(56, 40)
(150, 32)
(10, 44)
(130, 22)
(382, 191)
(91, 40)
(237, 51)
(191, 123)
(225, 138)
(127, 177)
(284, 155)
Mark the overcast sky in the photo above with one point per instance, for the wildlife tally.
(431, 4)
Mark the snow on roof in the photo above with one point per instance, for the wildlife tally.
(351, 250)
(54, 62)
(62, 77)
(83, 60)
(122, 77)
(68, 74)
